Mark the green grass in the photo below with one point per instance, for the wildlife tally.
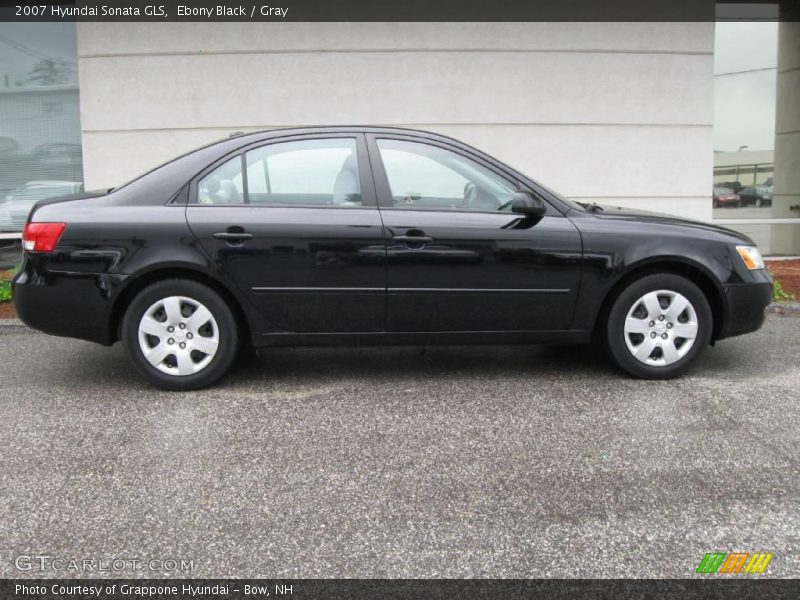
(5, 286)
(778, 293)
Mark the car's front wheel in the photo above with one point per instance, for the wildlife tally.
(180, 334)
(658, 326)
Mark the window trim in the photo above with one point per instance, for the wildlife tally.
(368, 194)
(384, 191)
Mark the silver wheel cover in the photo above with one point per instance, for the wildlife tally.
(178, 336)
(661, 328)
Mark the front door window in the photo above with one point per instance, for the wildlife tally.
(423, 177)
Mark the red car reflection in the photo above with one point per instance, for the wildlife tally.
(723, 197)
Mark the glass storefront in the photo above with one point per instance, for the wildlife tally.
(751, 191)
(40, 133)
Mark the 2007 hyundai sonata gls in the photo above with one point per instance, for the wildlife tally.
(373, 235)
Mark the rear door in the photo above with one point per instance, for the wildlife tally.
(294, 224)
(457, 259)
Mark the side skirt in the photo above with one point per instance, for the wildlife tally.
(447, 338)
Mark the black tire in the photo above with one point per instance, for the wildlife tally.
(226, 333)
(627, 299)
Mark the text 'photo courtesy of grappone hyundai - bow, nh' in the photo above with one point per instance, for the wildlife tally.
(370, 235)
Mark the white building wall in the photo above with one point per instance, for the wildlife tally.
(617, 113)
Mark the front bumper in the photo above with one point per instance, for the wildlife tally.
(744, 306)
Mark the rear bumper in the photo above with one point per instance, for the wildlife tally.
(745, 304)
(73, 305)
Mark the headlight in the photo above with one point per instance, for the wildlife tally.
(751, 257)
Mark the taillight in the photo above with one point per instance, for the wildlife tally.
(42, 237)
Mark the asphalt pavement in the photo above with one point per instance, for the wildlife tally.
(401, 462)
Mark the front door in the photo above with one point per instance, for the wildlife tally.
(294, 225)
(458, 259)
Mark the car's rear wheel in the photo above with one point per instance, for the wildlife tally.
(180, 334)
(658, 326)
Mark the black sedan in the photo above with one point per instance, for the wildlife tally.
(757, 195)
(363, 235)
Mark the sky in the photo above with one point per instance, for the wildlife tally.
(744, 103)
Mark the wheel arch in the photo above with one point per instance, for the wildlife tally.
(694, 272)
(143, 280)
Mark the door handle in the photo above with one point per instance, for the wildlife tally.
(413, 239)
(233, 238)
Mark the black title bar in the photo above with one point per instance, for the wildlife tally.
(376, 10)
(707, 588)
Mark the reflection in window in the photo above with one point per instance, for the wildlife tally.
(40, 133)
(745, 70)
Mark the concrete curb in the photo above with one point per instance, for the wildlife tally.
(780, 308)
(11, 323)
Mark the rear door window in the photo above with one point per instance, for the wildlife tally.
(321, 172)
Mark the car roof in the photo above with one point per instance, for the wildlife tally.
(168, 179)
(265, 134)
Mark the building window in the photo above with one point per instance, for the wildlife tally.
(40, 132)
(752, 188)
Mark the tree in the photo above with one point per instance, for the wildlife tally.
(50, 71)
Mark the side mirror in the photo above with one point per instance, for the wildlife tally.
(527, 204)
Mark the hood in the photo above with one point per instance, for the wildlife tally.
(646, 216)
